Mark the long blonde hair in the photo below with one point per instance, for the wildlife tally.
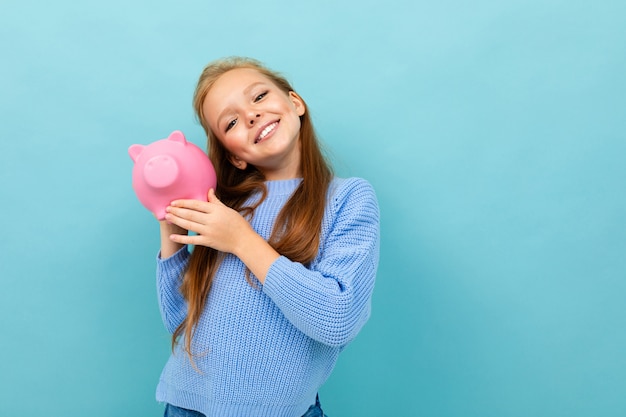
(297, 230)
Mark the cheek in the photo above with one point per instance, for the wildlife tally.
(233, 142)
(297, 120)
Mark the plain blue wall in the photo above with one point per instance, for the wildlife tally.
(493, 132)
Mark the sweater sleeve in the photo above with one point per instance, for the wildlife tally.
(172, 304)
(330, 301)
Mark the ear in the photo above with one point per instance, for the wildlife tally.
(177, 136)
(297, 102)
(134, 151)
(237, 162)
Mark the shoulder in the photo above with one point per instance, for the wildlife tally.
(352, 221)
(353, 190)
(352, 198)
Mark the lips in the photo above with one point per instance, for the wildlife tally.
(266, 131)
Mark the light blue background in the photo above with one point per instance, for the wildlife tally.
(492, 131)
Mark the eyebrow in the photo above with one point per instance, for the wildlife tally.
(246, 91)
(249, 88)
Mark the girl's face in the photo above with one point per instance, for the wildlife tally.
(257, 123)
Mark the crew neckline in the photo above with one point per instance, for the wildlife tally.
(278, 187)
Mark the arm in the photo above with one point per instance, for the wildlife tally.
(169, 247)
(222, 228)
(330, 301)
(171, 263)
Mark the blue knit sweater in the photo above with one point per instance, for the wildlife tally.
(266, 351)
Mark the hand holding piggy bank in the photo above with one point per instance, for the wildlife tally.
(170, 169)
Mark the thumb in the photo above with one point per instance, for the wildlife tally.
(212, 198)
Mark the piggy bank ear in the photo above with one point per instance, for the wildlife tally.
(134, 151)
(177, 136)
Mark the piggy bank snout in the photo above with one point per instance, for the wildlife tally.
(160, 171)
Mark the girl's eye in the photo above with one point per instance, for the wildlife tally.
(260, 96)
(230, 125)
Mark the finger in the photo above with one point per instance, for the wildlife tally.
(185, 213)
(197, 240)
(191, 222)
(190, 204)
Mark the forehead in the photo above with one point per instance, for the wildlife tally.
(235, 82)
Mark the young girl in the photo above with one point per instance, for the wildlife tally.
(284, 257)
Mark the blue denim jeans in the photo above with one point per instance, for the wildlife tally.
(315, 410)
(173, 411)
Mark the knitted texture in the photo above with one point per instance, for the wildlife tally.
(265, 350)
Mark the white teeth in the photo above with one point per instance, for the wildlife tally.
(266, 131)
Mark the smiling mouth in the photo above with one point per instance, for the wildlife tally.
(266, 131)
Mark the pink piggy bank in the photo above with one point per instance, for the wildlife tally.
(170, 169)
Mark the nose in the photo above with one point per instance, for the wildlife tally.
(253, 118)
